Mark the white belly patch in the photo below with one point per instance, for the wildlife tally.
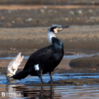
(36, 67)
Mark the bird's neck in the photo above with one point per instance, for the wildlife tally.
(50, 35)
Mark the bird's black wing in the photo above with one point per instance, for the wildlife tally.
(38, 57)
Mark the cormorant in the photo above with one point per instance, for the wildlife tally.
(46, 59)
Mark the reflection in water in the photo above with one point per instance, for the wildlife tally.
(12, 92)
(16, 91)
(49, 92)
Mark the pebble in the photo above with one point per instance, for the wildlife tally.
(29, 19)
(80, 11)
(42, 10)
(45, 7)
(71, 12)
(13, 21)
(90, 11)
(66, 19)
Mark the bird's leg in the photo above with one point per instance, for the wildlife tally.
(51, 77)
(40, 75)
(51, 92)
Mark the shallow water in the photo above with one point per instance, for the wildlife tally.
(56, 77)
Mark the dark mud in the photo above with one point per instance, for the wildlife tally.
(79, 81)
(85, 62)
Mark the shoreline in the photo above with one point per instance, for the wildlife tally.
(77, 38)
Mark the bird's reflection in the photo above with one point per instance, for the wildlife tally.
(42, 92)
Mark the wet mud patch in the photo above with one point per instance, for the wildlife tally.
(86, 62)
(82, 62)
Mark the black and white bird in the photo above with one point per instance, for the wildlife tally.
(46, 59)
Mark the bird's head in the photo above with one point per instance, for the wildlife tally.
(53, 30)
(56, 28)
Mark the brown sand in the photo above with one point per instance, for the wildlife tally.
(26, 7)
(74, 38)
(27, 40)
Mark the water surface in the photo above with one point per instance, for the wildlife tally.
(49, 92)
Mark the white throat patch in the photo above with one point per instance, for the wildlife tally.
(50, 35)
(55, 30)
(36, 67)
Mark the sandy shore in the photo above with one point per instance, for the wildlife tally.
(28, 7)
(82, 39)
(30, 39)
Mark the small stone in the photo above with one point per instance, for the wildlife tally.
(42, 10)
(80, 11)
(29, 19)
(13, 21)
(9, 11)
(45, 7)
(71, 12)
(66, 19)
(90, 11)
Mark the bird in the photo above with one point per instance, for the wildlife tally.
(45, 59)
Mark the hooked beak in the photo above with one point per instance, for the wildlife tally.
(65, 26)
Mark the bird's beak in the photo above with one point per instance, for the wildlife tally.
(59, 29)
(65, 26)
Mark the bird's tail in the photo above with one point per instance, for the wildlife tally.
(20, 75)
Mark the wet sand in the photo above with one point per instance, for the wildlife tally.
(75, 38)
(29, 7)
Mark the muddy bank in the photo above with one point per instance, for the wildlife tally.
(85, 62)
(79, 81)
(28, 40)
